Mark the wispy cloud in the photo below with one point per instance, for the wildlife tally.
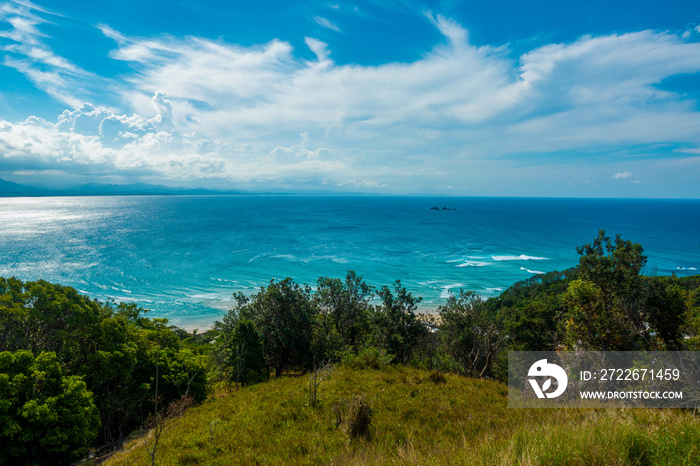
(26, 51)
(622, 175)
(326, 23)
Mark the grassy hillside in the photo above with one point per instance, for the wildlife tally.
(417, 418)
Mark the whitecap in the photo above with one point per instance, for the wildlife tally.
(473, 264)
(203, 296)
(686, 268)
(536, 272)
(521, 257)
(288, 257)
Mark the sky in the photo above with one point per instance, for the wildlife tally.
(500, 98)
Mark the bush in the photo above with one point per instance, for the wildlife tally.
(367, 358)
(45, 416)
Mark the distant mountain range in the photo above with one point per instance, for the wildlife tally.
(10, 189)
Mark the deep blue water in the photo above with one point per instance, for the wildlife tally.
(183, 257)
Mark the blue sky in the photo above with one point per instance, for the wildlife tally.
(576, 99)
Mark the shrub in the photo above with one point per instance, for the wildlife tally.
(367, 358)
(46, 417)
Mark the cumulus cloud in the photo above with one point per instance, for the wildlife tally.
(97, 142)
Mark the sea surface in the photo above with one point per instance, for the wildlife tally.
(183, 257)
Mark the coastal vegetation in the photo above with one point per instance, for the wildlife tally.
(359, 375)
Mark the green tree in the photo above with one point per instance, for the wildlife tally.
(110, 347)
(346, 309)
(532, 325)
(283, 314)
(613, 267)
(40, 316)
(666, 308)
(396, 325)
(469, 334)
(594, 322)
(612, 307)
(46, 417)
(239, 352)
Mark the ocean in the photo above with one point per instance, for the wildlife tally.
(183, 257)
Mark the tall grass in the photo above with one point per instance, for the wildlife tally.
(416, 418)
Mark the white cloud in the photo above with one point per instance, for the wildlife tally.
(459, 115)
(326, 23)
(29, 55)
(93, 140)
(622, 175)
(319, 48)
(453, 31)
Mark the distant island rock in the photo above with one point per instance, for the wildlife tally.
(438, 208)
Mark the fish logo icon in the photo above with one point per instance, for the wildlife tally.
(542, 368)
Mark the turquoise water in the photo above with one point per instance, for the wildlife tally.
(183, 257)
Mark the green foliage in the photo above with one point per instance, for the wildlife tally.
(532, 325)
(592, 324)
(665, 310)
(121, 371)
(529, 312)
(397, 328)
(283, 314)
(112, 348)
(612, 307)
(46, 417)
(344, 311)
(239, 352)
(367, 358)
(39, 316)
(468, 334)
(691, 319)
(614, 268)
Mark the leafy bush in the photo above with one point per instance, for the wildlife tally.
(46, 417)
(112, 348)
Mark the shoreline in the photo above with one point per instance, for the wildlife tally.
(430, 316)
